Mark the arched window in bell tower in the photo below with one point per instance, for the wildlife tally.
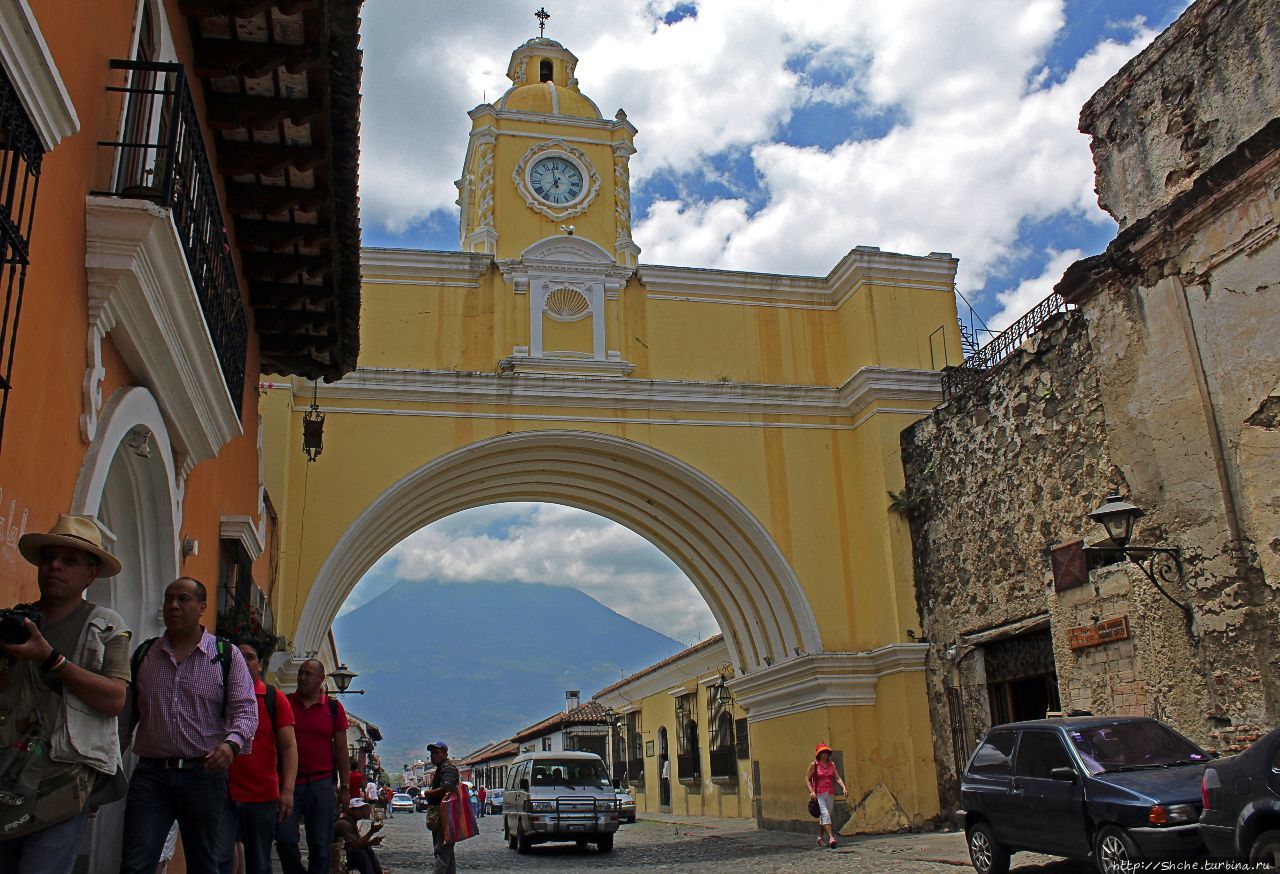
(545, 70)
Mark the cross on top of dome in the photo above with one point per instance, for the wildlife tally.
(542, 15)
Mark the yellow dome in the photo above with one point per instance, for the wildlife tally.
(548, 98)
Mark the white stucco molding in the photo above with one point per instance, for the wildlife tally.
(866, 387)
(833, 679)
(413, 266)
(562, 364)
(141, 292)
(863, 265)
(243, 530)
(34, 75)
(709, 660)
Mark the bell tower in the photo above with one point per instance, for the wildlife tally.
(545, 189)
(542, 162)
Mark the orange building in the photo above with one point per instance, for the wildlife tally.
(178, 214)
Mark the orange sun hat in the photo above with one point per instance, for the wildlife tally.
(822, 748)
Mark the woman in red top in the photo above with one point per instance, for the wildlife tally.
(822, 779)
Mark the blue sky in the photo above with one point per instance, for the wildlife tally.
(776, 136)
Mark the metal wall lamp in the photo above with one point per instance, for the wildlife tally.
(1159, 564)
(342, 677)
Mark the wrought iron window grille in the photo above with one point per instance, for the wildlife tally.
(21, 154)
(161, 157)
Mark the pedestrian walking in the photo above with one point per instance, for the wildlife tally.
(821, 779)
(385, 794)
(319, 794)
(359, 848)
(260, 783)
(193, 710)
(482, 795)
(445, 780)
(63, 680)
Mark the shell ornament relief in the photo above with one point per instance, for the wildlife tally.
(566, 304)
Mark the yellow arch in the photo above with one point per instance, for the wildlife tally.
(727, 553)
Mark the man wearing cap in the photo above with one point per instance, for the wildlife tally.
(445, 781)
(360, 855)
(68, 678)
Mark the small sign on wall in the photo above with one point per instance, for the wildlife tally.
(1070, 567)
(648, 749)
(1103, 632)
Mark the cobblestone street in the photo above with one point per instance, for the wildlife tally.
(713, 847)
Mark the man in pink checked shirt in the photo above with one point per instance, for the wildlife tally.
(194, 708)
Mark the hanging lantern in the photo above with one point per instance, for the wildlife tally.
(313, 428)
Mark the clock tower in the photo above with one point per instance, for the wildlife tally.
(545, 191)
(541, 160)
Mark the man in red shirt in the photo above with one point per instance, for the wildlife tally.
(320, 792)
(260, 783)
(355, 782)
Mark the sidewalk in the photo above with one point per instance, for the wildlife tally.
(943, 848)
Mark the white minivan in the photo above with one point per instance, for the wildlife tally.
(562, 796)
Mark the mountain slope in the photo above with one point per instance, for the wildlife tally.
(473, 662)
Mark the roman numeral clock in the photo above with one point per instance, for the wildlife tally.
(556, 180)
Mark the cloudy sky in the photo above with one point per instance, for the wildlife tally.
(775, 135)
(547, 543)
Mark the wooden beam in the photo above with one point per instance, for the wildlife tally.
(224, 57)
(275, 235)
(236, 159)
(277, 268)
(247, 197)
(289, 295)
(232, 111)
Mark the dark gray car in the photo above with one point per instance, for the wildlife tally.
(1117, 789)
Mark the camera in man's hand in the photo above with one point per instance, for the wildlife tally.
(12, 627)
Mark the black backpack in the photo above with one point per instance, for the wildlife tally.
(223, 657)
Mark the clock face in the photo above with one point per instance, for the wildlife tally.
(556, 180)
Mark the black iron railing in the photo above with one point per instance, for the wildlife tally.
(161, 157)
(688, 765)
(21, 153)
(724, 764)
(976, 367)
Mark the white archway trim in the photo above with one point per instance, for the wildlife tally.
(710, 535)
(128, 408)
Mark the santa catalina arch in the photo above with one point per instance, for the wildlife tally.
(747, 424)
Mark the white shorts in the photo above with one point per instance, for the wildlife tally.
(825, 802)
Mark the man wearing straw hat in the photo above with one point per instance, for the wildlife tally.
(67, 680)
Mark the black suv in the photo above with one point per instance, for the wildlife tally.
(1241, 818)
(1118, 789)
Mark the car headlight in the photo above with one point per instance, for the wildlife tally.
(1172, 814)
(539, 805)
(608, 805)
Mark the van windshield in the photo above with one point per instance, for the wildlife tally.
(1133, 746)
(574, 773)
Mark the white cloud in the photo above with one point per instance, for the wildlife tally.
(981, 142)
(554, 545)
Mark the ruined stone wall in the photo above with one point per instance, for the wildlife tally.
(1209, 82)
(993, 478)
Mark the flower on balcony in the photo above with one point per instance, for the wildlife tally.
(243, 622)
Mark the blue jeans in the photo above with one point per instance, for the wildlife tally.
(253, 823)
(157, 797)
(314, 806)
(51, 850)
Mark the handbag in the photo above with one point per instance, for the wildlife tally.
(433, 818)
(459, 820)
(814, 809)
(21, 767)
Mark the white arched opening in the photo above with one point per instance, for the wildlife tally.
(127, 484)
(723, 549)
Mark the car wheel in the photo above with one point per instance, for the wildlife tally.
(1114, 851)
(580, 842)
(523, 842)
(605, 843)
(1266, 849)
(987, 854)
(507, 835)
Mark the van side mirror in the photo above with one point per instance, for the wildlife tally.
(1067, 775)
(524, 784)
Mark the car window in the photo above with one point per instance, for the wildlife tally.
(1039, 753)
(993, 756)
(570, 772)
(1133, 746)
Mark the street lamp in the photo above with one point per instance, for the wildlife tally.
(342, 677)
(1157, 563)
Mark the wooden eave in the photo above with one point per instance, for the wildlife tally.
(281, 82)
